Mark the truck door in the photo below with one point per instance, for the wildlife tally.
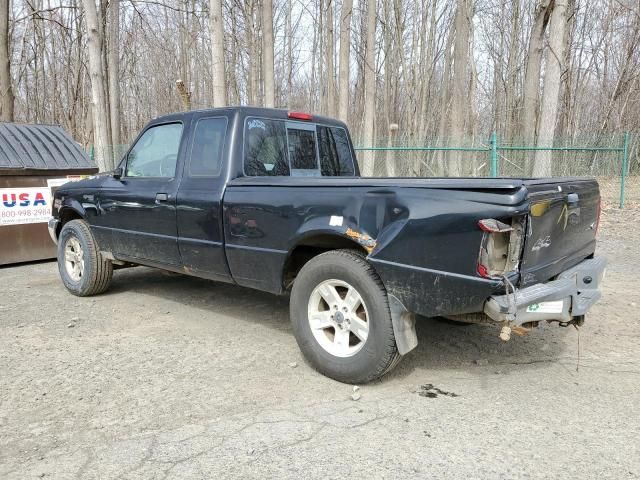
(137, 214)
(199, 202)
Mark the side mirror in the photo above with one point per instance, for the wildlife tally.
(118, 172)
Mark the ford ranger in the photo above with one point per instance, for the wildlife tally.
(273, 200)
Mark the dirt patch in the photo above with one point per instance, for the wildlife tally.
(176, 377)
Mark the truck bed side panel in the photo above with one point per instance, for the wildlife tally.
(423, 242)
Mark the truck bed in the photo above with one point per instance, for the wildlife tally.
(423, 231)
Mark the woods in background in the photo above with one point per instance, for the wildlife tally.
(417, 72)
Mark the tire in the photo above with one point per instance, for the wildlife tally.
(352, 361)
(83, 269)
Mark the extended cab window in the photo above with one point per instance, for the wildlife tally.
(265, 150)
(155, 154)
(303, 157)
(282, 148)
(335, 152)
(206, 150)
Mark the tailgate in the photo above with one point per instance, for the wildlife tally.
(561, 228)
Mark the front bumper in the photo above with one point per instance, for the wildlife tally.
(53, 228)
(572, 293)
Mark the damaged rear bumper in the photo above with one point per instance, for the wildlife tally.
(569, 296)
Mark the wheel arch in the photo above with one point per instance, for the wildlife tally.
(66, 214)
(312, 244)
(315, 243)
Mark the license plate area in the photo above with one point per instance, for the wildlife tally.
(555, 306)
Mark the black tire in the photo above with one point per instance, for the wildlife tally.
(379, 354)
(97, 271)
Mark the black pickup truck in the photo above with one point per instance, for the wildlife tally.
(273, 200)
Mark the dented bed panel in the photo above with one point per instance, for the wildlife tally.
(433, 292)
(424, 242)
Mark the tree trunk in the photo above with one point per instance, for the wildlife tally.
(512, 74)
(369, 89)
(388, 62)
(345, 43)
(7, 99)
(252, 50)
(289, 55)
(234, 40)
(445, 103)
(427, 54)
(531, 91)
(217, 54)
(267, 54)
(103, 156)
(550, 96)
(329, 54)
(460, 93)
(114, 74)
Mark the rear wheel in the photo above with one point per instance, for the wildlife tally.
(341, 318)
(82, 268)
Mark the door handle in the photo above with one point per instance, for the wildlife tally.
(161, 197)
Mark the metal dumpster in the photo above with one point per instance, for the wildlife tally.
(34, 159)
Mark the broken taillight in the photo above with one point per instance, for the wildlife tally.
(494, 226)
(501, 246)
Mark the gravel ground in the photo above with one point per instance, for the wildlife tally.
(176, 377)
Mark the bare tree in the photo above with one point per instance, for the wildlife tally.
(114, 72)
(343, 75)
(459, 94)
(100, 111)
(414, 73)
(550, 97)
(6, 87)
(369, 88)
(531, 87)
(329, 57)
(217, 54)
(267, 54)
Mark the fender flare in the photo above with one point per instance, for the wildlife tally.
(73, 205)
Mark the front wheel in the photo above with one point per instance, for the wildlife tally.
(82, 268)
(341, 318)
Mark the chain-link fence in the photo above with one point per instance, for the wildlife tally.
(608, 163)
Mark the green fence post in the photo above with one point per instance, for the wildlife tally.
(625, 166)
(493, 169)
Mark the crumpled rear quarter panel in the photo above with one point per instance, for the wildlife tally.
(422, 241)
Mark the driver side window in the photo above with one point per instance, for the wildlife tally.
(155, 154)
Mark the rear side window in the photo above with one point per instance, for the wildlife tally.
(206, 150)
(300, 149)
(265, 149)
(302, 152)
(335, 152)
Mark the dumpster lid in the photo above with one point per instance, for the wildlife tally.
(40, 147)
